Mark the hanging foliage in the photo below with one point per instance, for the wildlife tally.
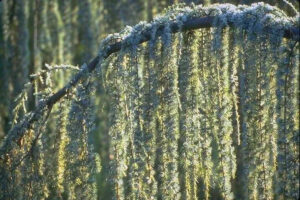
(207, 109)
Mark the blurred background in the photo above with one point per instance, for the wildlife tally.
(36, 32)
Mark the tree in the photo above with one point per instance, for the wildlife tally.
(206, 76)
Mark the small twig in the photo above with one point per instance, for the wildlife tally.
(291, 6)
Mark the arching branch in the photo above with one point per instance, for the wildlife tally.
(17, 133)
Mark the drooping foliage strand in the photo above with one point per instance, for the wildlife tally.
(196, 114)
(119, 143)
(190, 142)
(222, 128)
(205, 104)
(287, 78)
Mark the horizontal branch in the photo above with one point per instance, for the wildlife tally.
(17, 133)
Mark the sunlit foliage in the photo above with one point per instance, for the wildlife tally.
(210, 113)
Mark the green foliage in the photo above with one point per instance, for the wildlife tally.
(199, 114)
(168, 118)
(79, 177)
(205, 106)
(287, 121)
(190, 142)
(223, 128)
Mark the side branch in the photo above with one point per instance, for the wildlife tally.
(18, 132)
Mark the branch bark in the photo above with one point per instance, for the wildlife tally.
(18, 132)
